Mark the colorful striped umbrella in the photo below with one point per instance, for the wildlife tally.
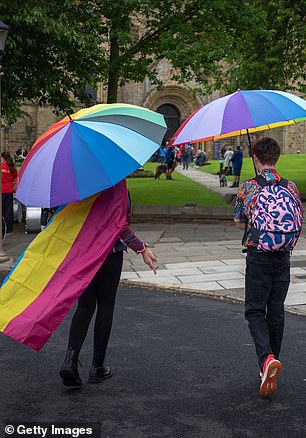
(88, 152)
(242, 112)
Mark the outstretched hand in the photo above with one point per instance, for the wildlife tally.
(150, 259)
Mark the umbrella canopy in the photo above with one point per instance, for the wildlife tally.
(242, 112)
(88, 152)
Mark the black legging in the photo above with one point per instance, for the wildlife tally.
(102, 291)
(8, 210)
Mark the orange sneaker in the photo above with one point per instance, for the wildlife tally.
(270, 372)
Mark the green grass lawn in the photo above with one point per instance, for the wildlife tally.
(177, 192)
(291, 166)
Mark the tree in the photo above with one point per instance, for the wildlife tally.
(273, 53)
(196, 36)
(56, 48)
(53, 50)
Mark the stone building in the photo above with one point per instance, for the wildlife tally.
(175, 101)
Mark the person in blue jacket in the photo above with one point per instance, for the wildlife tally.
(169, 160)
(236, 166)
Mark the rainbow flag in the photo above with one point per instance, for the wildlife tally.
(59, 264)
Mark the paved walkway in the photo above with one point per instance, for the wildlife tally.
(206, 259)
(206, 179)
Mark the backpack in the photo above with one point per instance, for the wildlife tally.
(277, 217)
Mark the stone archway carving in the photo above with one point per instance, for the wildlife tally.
(183, 100)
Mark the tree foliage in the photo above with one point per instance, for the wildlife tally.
(198, 37)
(55, 47)
(273, 53)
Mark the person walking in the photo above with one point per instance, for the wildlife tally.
(269, 209)
(178, 155)
(228, 155)
(236, 166)
(221, 158)
(162, 153)
(169, 160)
(9, 177)
(186, 151)
(45, 216)
(101, 292)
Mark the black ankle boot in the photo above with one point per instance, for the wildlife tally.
(98, 373)
(69, 371)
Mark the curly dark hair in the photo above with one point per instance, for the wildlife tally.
(7, 157)
(267, 150)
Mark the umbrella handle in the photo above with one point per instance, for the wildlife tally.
(250, 153)
(69, 115)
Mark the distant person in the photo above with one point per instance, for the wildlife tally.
(46, 215)
(155, 157)
(237, 165)
(228, 155)
(162, 154)
(169, 160)
(271, 230)
(178, 155)
(200, 159)
(221, 157)
(186, 152)
(192, 153)
(9, 178)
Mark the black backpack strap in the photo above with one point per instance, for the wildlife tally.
(262, 181)
(283, 182)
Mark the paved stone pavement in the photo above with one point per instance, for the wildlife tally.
(199, 258)
(206, 259)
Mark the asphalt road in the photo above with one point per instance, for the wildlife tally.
(184, 366)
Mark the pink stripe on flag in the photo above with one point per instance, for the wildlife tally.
(94, 242)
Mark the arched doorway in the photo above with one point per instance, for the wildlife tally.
(172, 117)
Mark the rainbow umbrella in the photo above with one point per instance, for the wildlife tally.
(242, 112)
(88, 152)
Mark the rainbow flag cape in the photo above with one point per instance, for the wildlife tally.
(59, 264)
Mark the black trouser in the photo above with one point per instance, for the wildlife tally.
(46, 214)
(266, 285)
(8, 211)
(101, 291)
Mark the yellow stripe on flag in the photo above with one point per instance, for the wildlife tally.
(45, 254)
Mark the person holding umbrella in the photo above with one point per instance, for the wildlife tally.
(101, 293)
(80, 251)
(269, 209)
